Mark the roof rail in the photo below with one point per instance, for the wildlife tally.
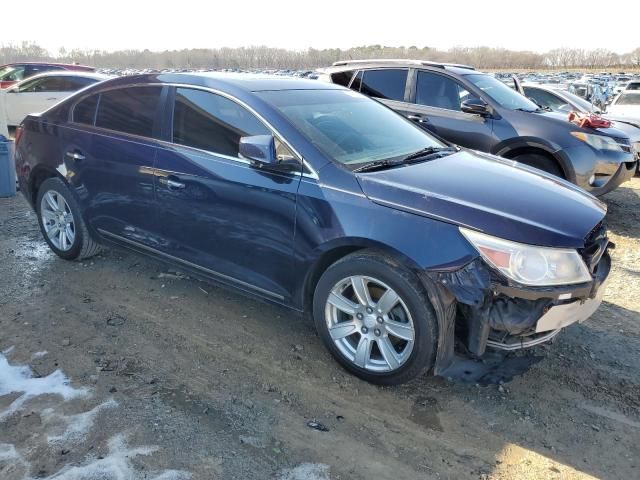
(395, 61)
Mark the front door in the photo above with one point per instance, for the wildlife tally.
(218, 214)
(436, 107)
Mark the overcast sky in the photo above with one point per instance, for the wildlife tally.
(538, 25)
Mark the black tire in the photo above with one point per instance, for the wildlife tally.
(83, 246)
(541, 162)
(405, 283)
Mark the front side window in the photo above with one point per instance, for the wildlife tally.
(129, 110)
(544, 98)
(12, 73)
(434, 90)
(85, 110)
(212, 122)
(339, 123)
(388, 84)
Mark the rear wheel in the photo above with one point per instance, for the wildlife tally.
(541, 162)
(61, 223)
(375, 318)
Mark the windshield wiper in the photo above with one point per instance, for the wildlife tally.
(411, 158)
(425, 152)
(376, 165)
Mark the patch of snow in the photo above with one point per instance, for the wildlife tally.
(77, 425)
(306, 471)
(39, 354)
(19, 379)
(8, 452)
(116, 465)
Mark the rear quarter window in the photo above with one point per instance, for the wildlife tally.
(85, 110)
(130, 110)
(342, 78)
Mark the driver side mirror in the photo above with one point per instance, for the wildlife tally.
(260, 150)
(475, 106)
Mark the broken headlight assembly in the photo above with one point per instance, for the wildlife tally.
(529, 264)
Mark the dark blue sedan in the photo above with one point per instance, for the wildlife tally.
(315, 197)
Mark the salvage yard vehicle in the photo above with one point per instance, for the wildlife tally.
(16, 72)
(315, 197)
(38, 93)
(626, 106)
(476, 110)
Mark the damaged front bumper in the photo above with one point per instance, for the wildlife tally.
(483, 309)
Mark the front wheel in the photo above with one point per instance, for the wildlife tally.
(541, 162)
(375, 318)
(61, 223)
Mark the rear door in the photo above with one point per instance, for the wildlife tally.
(217, 213)
(110, 148)
(436, 104)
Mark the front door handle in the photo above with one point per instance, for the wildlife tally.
(418, 118)
(77, 156)
(172, 184)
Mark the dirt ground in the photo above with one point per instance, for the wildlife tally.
(171, 378)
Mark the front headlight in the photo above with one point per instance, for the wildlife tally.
(599, 142)
(529, 264)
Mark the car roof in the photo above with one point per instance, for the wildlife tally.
(248, 82)
(345, 65)
(46, 64)
(66, 73)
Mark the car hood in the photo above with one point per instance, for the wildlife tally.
(625, 112)
(489, 194)
(561, 117)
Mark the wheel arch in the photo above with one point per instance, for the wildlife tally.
(37, 176)
(514, 147)
(334, 251)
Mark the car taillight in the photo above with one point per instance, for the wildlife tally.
(18, 135)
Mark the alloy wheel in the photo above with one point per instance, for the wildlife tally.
(57, 220)
(369, 323)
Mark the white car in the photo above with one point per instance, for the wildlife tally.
(626, 106)
(38, 93)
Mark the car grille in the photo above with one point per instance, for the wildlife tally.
(595, 245)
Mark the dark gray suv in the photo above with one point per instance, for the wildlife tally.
(478, 111)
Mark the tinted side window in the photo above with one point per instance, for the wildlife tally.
(85, 110)
(71, 84)
(387, 84)
(342, 78)
(544, 99)
(436, 90)
(129, 110)
(211, 122)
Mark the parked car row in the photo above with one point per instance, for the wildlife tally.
(310, 194)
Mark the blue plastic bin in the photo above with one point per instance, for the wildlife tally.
(7, 168)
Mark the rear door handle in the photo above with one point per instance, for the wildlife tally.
(172, 184)
(77, 156)
(52, 98)
(418, 118)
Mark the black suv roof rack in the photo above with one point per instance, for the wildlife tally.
(396, 61)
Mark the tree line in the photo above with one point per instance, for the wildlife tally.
(266, 57)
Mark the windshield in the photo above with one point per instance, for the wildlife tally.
(11, 73)
(503, 95)
(349, 127)
(628, 99)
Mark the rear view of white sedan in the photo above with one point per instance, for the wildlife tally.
(38, 93)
